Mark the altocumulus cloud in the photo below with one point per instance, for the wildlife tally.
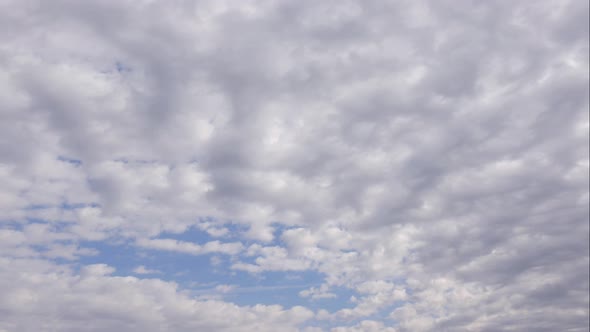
(294, 165)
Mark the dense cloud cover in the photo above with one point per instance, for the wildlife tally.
(426, 161)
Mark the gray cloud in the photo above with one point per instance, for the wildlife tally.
(440, 147)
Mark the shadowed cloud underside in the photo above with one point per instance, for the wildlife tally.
(303, 166)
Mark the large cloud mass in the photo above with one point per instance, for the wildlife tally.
(428, 160)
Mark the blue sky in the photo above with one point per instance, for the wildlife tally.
(297, 166)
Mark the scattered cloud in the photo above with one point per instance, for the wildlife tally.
(143, 270)
(412, 165)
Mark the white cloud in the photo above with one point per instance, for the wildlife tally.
(143, 270)
(189, 247)
(96, 301)
(366, 326)
(431, 157)
(316, 293)
(224, 288)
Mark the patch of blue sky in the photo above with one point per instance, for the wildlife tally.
(191, 234)
(122, 67)
(185, 269)
(235, 232)
(283, 287)
(200, 274)
(63, 206)
(74, 206)
(124, 160)
(121, 255)
(73, 161)
(20, 224)
(333, 304)
(11, 224)
(33, 207)
(272, 287)
(279, 228)
(268, 287)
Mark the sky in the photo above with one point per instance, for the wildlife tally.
(310, 165)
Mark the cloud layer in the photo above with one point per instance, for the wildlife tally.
(427, 161)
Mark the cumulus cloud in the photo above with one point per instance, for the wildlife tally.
(143, 270)
(96, 301)
(190, 248)
(429, 157)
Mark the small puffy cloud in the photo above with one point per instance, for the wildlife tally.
(189, 247)
(271, 258)
(430, 157)
(224, 288)
(96, 301)
(97, 270)
(366, 326)
(143, 270)
(315, 293)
